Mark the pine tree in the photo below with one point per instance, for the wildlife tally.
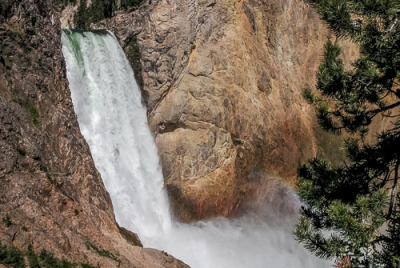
(391, 242)
(346, 208)
(93, 11)
(125, 4)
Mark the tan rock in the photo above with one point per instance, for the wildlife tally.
(222, 81)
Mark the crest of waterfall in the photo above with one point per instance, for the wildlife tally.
(113, 121)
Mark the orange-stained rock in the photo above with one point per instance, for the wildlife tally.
(222, 82)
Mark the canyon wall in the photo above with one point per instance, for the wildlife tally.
(51, 195)
(222, 82)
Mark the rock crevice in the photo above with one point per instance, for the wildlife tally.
(230, 71)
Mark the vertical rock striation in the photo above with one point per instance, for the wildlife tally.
(50, 189)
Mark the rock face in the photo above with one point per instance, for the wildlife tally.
(51, 195)
(222, 82)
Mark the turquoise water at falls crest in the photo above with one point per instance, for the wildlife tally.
(113, 121)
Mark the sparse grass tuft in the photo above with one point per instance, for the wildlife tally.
(16, 30)
(33, 111)
(7, 220)
(21, 151)
(102, 252)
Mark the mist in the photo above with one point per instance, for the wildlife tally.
(262, 237)
(113, 121)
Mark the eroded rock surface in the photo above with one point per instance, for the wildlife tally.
(50, 190)
(222, 83)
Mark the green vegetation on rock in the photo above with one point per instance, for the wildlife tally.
(48, 260)
(32, 258)
(7, 221)
(21, 151)
(13, 257)
(102, 252)
(99, 10)
(63, 3)
(34, 113)
(125, 4)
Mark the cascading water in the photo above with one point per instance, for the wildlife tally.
(113, 121)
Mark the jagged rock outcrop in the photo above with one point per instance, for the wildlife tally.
(51, 195)
(222, 82)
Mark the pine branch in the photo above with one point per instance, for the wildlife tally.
(394, 191)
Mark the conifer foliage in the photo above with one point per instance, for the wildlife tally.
(96, 10)
(351, 212)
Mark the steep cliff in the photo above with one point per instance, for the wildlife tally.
(51, 195)
(222, 82)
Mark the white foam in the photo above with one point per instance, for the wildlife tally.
(113, 121)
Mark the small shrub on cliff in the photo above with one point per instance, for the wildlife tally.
(354, 201)
(32, 258)
(7, 220)
(125, 4)
(34, 113)
(5, 8)
(16, 30)
(63, 3)
(11, 257)
(48, 260)
(102, 252)
(21, 151)
(99, 10)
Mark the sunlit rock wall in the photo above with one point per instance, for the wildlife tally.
(222, 82)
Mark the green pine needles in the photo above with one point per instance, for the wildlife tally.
(351, 212)
(13, 257)
(391, 242)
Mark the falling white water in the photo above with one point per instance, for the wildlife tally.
(113, 121)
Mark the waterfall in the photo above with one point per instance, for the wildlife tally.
(113, 121)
